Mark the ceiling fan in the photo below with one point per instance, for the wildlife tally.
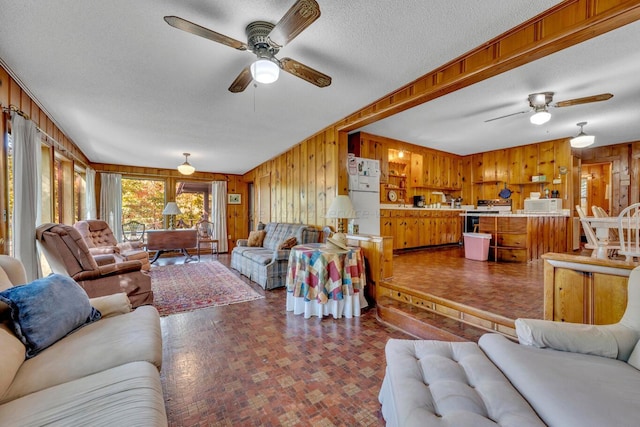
(265, 40)
(540, 103)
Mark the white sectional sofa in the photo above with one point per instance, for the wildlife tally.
(560, 374)
(104, 374)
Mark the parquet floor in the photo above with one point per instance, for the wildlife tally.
(254, 364)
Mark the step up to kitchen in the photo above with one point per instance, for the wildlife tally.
(424, 324)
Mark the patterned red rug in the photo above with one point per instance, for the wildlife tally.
(187, 287)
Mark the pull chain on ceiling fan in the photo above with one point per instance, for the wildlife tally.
(265, 40)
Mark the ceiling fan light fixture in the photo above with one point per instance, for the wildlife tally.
(582, 139)
(265, 71)
(540, 117)
(186, 168)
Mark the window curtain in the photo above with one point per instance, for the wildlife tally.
(90, 194)
(27, 193)
(219, 202)
(111, 202)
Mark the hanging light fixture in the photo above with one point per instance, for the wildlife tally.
(541, 116)
(265, 71)
(186, 168)
(539, 103)
(582, 139)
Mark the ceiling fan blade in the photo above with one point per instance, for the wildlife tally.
(298, 69)
(190, 27)
(508, 115)
(585, 100)
(300, 16)
(242, 81)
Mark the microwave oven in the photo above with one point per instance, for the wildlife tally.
(543, 205)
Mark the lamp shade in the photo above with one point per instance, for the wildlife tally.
(265, 71)
(171, 209)
(186, 168)
(341, 207)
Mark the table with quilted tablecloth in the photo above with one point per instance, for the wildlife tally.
(324, 280)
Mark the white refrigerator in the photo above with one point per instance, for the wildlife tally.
(364, 192)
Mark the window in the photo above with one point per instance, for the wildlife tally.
(79, 194)
(143, 201)
(194, 200)
(63, 190)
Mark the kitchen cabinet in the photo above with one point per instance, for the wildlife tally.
(580, 289)
(413, 228)
(524, 237)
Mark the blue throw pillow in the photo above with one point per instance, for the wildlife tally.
(47, 310)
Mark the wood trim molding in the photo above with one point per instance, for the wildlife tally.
(568, 23)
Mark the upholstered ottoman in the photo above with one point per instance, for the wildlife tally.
(437, 383)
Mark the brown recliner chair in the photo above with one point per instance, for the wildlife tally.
(100, 240)
(68, 254)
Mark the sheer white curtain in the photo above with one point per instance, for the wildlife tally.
(90, 194)
(27, 192)
(219, 205)
(111, 202)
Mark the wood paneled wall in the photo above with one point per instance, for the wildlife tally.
(237, 215)
(625, 171)
(304, 181)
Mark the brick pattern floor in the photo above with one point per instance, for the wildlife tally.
(254, 364)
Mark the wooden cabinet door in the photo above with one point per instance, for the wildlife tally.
(417, 170)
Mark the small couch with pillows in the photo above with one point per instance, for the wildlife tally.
(68, 360)
(264, 256)
(559, 374)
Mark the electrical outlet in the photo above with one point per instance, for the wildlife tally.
(229, 238)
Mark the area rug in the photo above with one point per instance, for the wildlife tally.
(187, 287)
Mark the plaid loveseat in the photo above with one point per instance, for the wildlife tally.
(267, 265)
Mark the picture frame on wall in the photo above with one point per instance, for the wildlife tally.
(234, 199)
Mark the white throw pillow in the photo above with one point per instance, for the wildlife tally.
(572, 337)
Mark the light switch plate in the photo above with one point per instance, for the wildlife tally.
(557, 181)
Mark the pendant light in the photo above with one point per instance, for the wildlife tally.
(186, 168)
(582, 139)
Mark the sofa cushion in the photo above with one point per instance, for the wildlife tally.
(12, 353)
(127, 395)
(256, 238)
(260, 256)
(448, 384)
(101, 345)
(112, 305)
(634, 358)
(46, 310)
(568, 389)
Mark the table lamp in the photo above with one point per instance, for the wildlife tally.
(171, 209)
(341, 208)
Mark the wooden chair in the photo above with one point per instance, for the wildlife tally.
(629, 232)
(133, 231)
(599, 212)
(205, 237)
(592, 240)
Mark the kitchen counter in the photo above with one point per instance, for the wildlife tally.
(516, 215)
(411, 207)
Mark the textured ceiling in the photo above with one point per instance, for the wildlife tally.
(129, 89)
